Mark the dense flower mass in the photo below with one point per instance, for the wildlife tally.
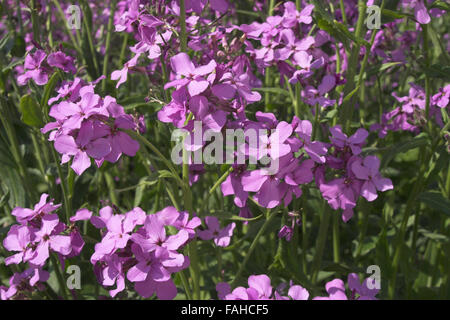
(260, 288)
(177, 148)
(39, 235)
(135, 246)
(88, 126)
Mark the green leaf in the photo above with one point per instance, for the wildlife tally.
(13, 64)
(232, 217)
(49, 89)
(440, 5)
(344, 30)
(332, 30)
(165, 174)
(273, 90)
(380, 68)
(435, 200)
(434, 235)
(339, 268)
(143, 183)
(403, 146)
(350, 95)
(31, 113)
(437, 71)
(4, 199)
(18, 49)
(6, 43)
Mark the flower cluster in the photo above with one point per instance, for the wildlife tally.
(260, 288)
(88, 126)
(411, 115)
(137, 247)
(38, 235)
(38, 66)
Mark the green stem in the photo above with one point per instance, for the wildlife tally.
(183, 33)
(399, 243)
(316, 122)
(108, 43)
(344, 16)
(298, 100)
(346, 110)
(253, 245)
(59, 276)
(147, 143)
(193, 254)
(185, 282)
(35, 22)
(122, 50)
(214, 187)
(5, 118)
(19, 16)
(89, 37)
(219, 262)
(427, 77)
(304, 243)
(271, 6)
(321, 239)
(112, 190)
(67, 205)
(336, 245)
(167, 186)
(75, 43)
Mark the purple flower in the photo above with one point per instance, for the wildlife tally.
(342, 193)
(19, 239)
(233, 186)
(24, 215)
(291, 16)
(20, 284)
(122, 74)
(183, 223)
(335, 289)
(221, 237)
(292, 45)
(259, 288)
(48, 237)
(113, 274)
(442, 98)
(367, 169)
(315, 149)
(81, 150)
(188, 75)
(34, 69)
(363, 290)
(62, 61)
(153, 236)
(341, 140)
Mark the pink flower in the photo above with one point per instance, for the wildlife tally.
(221, 237)
(35, 69)
(24, 215)
(18, 240)
(335, 289)
(48, 237)
(367, 169)
(188, 75)
(341, 140)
